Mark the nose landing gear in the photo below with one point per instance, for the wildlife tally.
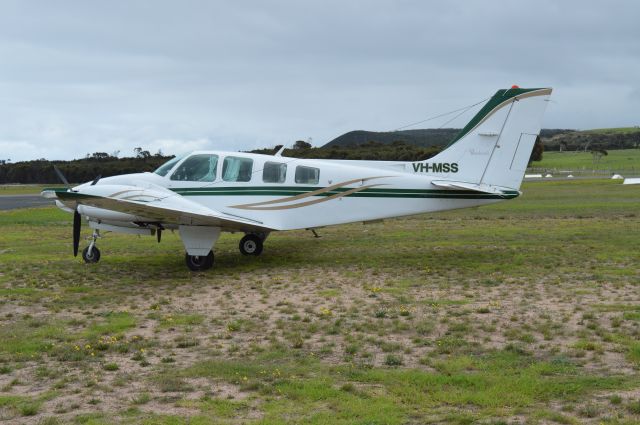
(91, 254)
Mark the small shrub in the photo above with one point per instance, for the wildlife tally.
(615, 399)
(351, 349)
(186, 342)
(29, 409)
(171, 384)
(393, 360)
(143, 398)
(589, 411)
(348, 387)
(111, 367)
(634, 407)
(297, 342)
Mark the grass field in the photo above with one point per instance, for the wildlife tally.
(619, 161)
(527, 311)
(24, 189)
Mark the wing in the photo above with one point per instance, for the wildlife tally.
(153, 205)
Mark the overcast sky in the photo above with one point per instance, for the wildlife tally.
(100, 76)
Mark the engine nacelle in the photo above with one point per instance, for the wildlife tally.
(108, 215)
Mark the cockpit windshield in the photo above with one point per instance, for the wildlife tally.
(167, 166)
(197, 168)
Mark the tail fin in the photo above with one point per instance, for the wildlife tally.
(493, 149)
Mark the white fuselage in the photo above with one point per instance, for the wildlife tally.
(346, 191)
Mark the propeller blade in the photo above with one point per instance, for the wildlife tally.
(77, 222)
(96, 180)
(159, 234)
(61, 176)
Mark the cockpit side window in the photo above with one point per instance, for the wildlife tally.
(236, 169)
(197, 168)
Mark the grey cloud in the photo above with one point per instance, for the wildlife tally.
(78, 77)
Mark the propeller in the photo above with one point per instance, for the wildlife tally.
(77, 222)
(96, 180)
(61, 176)
(159, 234)
(77, 218)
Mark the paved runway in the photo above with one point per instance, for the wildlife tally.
(12, 202)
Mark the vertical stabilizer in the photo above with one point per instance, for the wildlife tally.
(493, 149)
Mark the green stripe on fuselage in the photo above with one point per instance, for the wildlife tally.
(366, 193)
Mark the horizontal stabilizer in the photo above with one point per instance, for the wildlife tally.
(456, 185)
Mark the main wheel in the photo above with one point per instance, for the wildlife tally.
(91, 257)
(251, 245)
(199, 263)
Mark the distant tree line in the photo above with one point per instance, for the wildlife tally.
(587, 141)
(79, 170)
(373, 151)
(104, 164)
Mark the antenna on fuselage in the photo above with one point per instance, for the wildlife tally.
(279, 153)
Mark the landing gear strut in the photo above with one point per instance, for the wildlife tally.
(251, 244)
(91, 254)
(199, 263)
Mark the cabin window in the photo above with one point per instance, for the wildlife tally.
(274, 172)
(197, 168)
(235, 169)
(307, 175)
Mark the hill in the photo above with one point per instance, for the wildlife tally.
(424, 138)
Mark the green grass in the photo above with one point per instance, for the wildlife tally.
(634, 353)
(498, 382)
(525, 310)
(622, 160)
(31, 338)
(24, 189)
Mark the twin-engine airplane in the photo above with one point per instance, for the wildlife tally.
(209, 192)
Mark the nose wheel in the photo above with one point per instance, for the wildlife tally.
(251, 245)
(91, 254)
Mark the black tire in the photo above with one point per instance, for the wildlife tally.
(91, 257)
(198, 263)
(251, 245)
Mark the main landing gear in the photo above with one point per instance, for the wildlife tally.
(199, 263)
(91, 254)
(251, 244)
